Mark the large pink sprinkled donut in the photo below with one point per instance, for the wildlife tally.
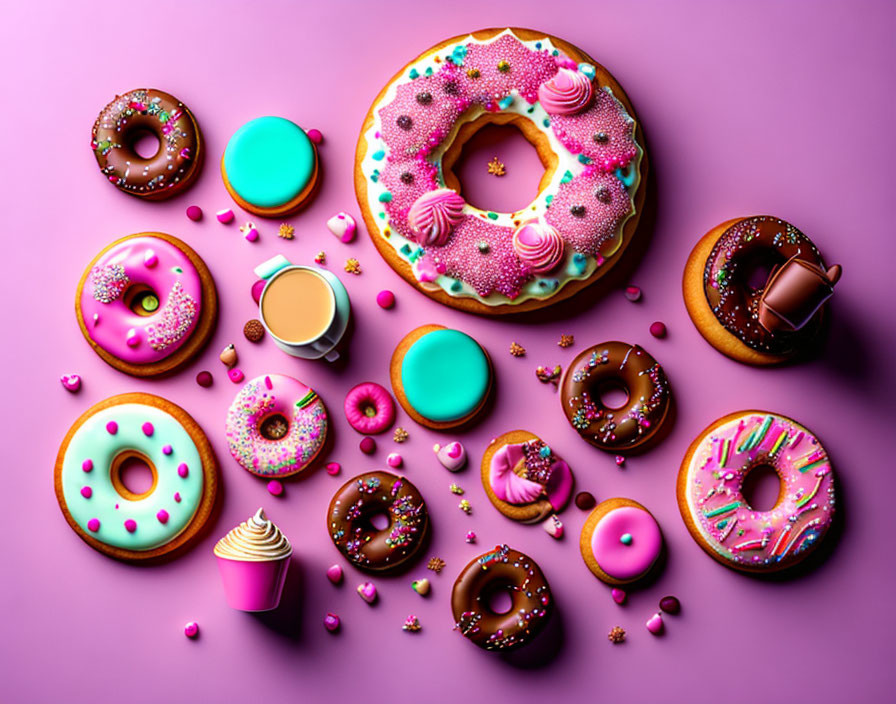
(147, 304)
(369, 408)
(591, 195)
(276, 426)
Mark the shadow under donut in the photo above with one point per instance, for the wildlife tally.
(544, 649)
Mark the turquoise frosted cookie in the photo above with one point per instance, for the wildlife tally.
(441, 377)
(270, 166)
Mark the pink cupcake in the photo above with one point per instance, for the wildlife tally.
(253, 559)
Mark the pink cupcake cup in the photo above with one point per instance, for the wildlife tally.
(253, 585)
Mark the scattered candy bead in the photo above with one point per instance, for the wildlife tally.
(670, 605)
(86, 492)
(368, 445)
(194, 212)
(257, 288)
(191, 630)
(253, 330)
(470, 537)
(633, 293)
(225, 216)
(367, 591)
(394, 460)
(334, 574)
(585, 501)
(620, 461)
(658, 330)
(228, 356)
(553, 527)
(465, 506)
(87, 465)
(320, 257)
(452, 456)
(421, 586)
(331, 622)
(455, 489)
(616, 635)
(204, 379)
(167, 449)
(93, 525)
(411, 624)
(148, 429)
(343, 226)
(385, 299)
(333, 468)
(250, 232)
(111, 427)
(162, 516)
(235, 375)
(130, 525)
(618, 595)
(183, 470)
(315, 136)
(655, 624)
(71, 382)
(275, 488)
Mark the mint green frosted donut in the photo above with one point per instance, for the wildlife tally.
(445, 375)
(269, 161)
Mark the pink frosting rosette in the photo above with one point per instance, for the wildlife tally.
(434, 214)
(567, 93)
(538, 245)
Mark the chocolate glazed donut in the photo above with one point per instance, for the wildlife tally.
(609, 365)
(122, 122)
(532, 606)
(355, 536)
(782, 315)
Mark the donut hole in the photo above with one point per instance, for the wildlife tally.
(613, 395)
(134, 476)
(498, 598)
(145, 144)
(471, 174)
(368, 408)
(755, 268)
(141, 300)
(762, 487)
(379, 521)
(274, 427)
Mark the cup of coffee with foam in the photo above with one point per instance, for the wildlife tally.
(304, 309)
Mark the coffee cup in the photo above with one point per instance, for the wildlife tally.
(303, 308)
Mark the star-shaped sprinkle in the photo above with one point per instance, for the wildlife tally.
(517, 350)
(436, 564)
(352, 266)
(496, 167)
(616, 634)
(400, 435)
(286, 231)
(566, 340)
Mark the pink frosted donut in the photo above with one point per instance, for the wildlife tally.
(142, 300)
(621, 541)
(276, 426)
(369, 408)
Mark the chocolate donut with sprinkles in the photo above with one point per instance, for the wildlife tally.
(531, 602)
(178, 159)
(590, 197)
(350, 521)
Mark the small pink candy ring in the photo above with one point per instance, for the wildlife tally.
(369, 408)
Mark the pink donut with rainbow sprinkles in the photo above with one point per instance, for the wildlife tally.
(276, 426)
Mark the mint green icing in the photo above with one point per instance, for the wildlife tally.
(269, 161)
(445, 375)
(92, 441)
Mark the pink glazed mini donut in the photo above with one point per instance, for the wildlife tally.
(621, 541)
(369, 408)
(276, 426)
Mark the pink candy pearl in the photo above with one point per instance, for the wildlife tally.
(130, 525)
(633, 293)
(87, 465)
(162, 515)
(225, 216)
(394, 460)
(204, 379)
(148, 430)
(368, 446)
(315, 136)
(251, 234)
(655, 624)
(333, 468)
(86, 492)
(618, 596)
(191, 630)
(331, 622)
(111, 427)
(275, 488)
(385, 299)
(657, 329)
(71, 382)
(183, 470)
(93, 525)
(194, 212)
(257, 288)
(334, 574)
(235, 375)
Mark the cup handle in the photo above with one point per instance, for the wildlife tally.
(331, 356)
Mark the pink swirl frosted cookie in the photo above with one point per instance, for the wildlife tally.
(369, 408)
(276, 426)
(147, 304)
(524, 478)
(718, 515)
(621, 541)
(576, 116)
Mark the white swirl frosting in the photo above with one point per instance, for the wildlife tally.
(254, 540)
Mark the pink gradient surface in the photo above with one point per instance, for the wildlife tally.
(762, 107)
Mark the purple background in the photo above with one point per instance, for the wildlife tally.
(768, 107)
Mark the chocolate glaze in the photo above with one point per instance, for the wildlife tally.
(359, 499)
(615, 364)
(176, 164)
(531, 596)
(798, 286)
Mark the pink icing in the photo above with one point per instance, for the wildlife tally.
(514, 489)
(434, 214)
(115, 328)
(539, 246)
(626, 561)
(567, 93)
(716, 475)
